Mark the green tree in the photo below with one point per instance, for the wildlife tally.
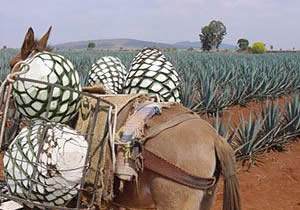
(206, 38)
(91, 45)
(271, 47)
(243, 44)
(212, 35)
(259, 47)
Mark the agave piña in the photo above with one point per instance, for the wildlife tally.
(32, 99)
(108, 71)
(54, 173)
(152, 73)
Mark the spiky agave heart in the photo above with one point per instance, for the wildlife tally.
(152, 73)
(54, 176)
(32, 99)
(108, 71)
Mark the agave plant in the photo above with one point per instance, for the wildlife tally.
(223, 127)
(272, 124)
(190, 96)
(292, 117)
(239, 93)
(213, 98)
(250, 141)
(5, 55)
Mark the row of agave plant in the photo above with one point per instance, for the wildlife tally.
(211, 82)
(214, 82)
(5, 56)
(272, 128)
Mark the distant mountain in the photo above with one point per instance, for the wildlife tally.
(197, 44)
(116, 44)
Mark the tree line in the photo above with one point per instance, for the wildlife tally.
(212, 35)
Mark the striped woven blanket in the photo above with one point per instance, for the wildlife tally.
(135, 124)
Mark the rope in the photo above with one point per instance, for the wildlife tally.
(9, 81)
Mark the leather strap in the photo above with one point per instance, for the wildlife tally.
(168, 170)
(168, 124)
(161, 166)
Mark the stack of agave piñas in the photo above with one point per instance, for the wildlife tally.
(51, 176)
(150, 73)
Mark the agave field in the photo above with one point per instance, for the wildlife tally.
(212, 83)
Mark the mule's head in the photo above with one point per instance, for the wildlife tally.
(31, 45)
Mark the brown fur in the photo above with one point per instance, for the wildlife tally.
(195, 147)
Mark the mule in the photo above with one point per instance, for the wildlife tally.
(192, 146)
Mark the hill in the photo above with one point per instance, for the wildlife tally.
(197, 44)
(116, 44)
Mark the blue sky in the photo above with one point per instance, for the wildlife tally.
(275, 22)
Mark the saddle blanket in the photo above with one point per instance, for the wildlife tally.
(134, 127)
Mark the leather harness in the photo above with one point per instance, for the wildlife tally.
(170, 171)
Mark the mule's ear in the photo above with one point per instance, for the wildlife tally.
(28, 44)
(44, 39)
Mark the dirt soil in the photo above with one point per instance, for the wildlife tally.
(273, 185)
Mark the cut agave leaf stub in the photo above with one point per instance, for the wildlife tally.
(54, 174)
(108, 71)
(31, 98)
(152, 73)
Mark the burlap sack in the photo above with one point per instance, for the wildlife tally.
(94, 125)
